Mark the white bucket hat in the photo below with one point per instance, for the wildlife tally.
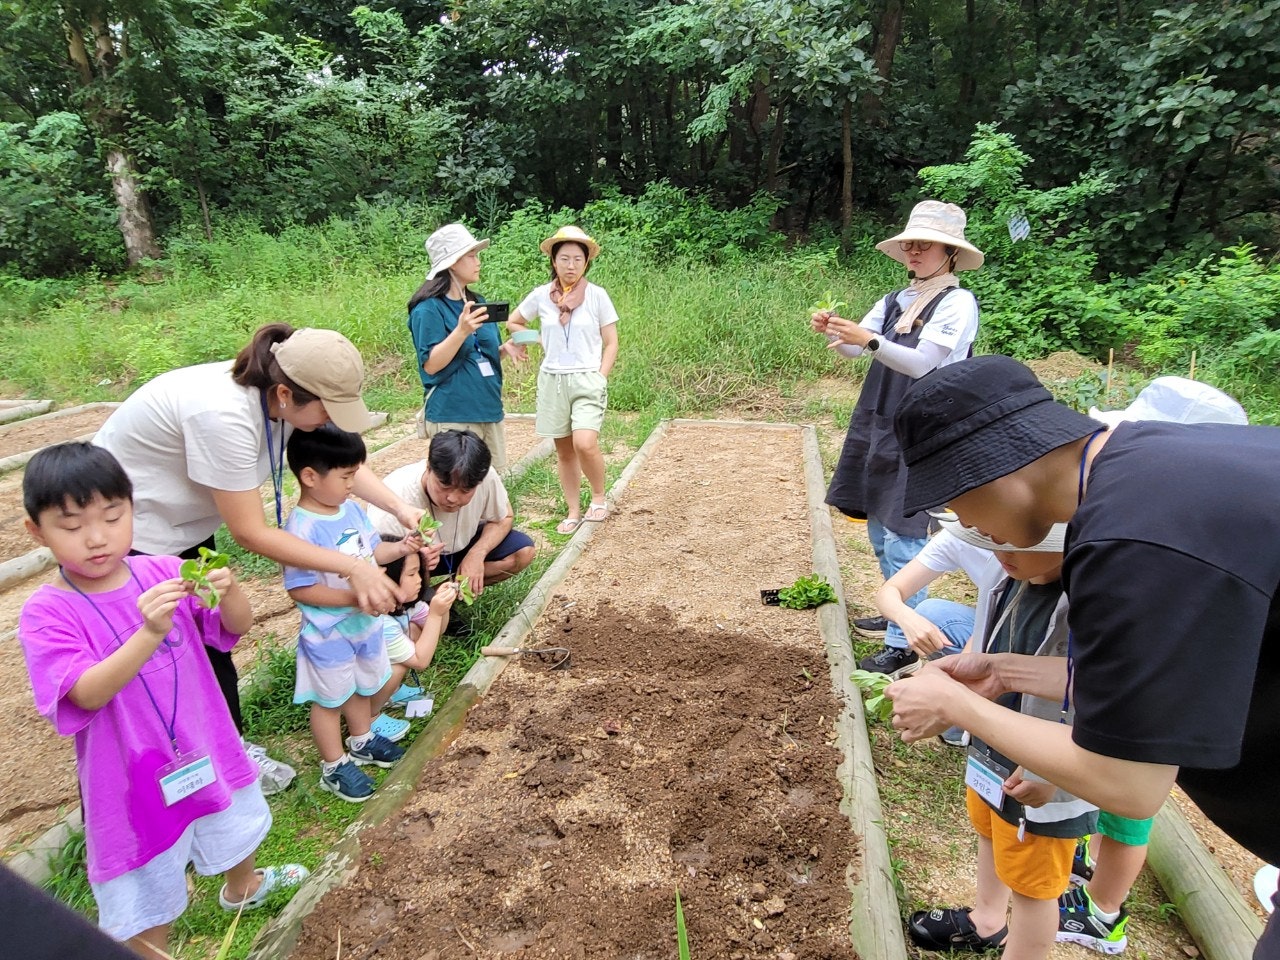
(448, 245)
(940, 223)
(949, 522)
(1176, 400)
(571, 234)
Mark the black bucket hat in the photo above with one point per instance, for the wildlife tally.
(975, 421)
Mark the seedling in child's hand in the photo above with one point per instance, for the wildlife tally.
(196, 572)
(878, 706)
(828, 304)
(806, 592)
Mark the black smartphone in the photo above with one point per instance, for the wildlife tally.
(498, 312)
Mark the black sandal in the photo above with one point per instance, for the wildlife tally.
(951, 929)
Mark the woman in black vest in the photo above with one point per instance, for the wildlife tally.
(927, 325)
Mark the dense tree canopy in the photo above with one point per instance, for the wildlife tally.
(135, 118)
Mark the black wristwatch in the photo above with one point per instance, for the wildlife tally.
(873, 344)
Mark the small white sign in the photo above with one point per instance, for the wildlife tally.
(1019, 227)
(419, 708)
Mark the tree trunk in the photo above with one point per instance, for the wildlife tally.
(968, 79)
(887, 39)
(134, 213)
(846, 179)
(775, 147)
(95, 66)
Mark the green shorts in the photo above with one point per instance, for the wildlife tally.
(571, 401)
(1132, 833)
(494, 436)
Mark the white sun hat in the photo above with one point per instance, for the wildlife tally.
(1176, 400)
(948, 521)
(448, 245)
(938, 222)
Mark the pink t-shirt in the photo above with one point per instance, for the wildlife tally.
(121, 747)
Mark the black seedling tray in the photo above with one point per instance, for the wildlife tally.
(770, 598)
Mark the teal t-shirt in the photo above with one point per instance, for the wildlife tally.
(469, 388)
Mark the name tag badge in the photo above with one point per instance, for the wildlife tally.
(986, 778)
(189, 773)
(486, 368)
(419, 708)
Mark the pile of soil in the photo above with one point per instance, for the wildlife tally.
(688, 746)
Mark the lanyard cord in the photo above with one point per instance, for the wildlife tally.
(171, 727)
(1071, 661)
(276, 464)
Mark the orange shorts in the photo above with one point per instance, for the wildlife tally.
(1036, 867)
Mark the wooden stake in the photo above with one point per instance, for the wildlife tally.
(1191, 374)
(1111, 361)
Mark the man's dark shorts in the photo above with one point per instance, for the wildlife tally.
(512, 542)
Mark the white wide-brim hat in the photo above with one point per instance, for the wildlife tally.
(448, 245)
(1176, 400)
(940, 223)
(571, 234)
(949, 522)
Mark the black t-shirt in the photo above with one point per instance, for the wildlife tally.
(1173, 570)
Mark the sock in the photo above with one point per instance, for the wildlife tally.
(1101, 914)
(327, 768)
(358, 743)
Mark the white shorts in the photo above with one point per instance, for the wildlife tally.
(155, 893)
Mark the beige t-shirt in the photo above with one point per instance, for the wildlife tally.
(490, 504)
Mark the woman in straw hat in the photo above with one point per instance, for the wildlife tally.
(199, 442)
(579, 345)
(459, 354)
(929, 324)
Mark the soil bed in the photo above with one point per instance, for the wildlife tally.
(688, 746)
(26, 435)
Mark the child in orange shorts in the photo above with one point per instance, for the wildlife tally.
(1027, 827)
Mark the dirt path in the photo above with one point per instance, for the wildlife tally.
(687, 747)
(31, 802)
(26, 435)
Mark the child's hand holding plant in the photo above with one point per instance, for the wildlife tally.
(442, 601)
(157, 605)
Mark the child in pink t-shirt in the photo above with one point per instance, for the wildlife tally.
(115, 650)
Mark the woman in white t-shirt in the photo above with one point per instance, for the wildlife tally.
(199, 442)
(579, 345)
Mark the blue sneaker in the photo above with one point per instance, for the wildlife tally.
(405, 694)
(378, 751)
(389, 727)
(1082, 863)
(347, 782)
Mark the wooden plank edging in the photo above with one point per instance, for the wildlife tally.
(1223, 925)
(875, 925)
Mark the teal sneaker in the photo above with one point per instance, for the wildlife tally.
(1078, 922)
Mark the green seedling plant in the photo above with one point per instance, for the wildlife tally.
(197, 572)
(682, 933)
(828, 304)
(878, 706)
(806, 592)
(427, 526)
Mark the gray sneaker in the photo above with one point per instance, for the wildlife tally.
(273, 776)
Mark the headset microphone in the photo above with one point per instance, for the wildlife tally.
(911, 274)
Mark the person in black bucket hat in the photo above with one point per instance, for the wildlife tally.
(1172, 568)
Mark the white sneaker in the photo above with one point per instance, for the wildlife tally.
(273, 776)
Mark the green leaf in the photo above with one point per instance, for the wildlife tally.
(806, 592)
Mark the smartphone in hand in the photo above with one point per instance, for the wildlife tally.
(498, 312)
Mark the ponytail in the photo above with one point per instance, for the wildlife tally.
(256, 366)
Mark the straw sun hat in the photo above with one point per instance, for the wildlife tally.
(448, 245)
(940, 223)
(571, 234)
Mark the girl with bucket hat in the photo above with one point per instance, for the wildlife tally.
(929, 324)
(579, 345)
(199, 442)
(459, 354)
